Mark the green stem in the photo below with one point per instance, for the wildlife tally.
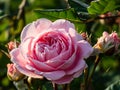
(85, 79)
(55, 86)
(66, 87)
(97, 60)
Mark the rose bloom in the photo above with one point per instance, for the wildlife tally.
(51, 49)
(108, 41)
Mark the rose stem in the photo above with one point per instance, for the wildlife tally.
(66, 87)
(55, 86)
(91, 75)
(84, 84)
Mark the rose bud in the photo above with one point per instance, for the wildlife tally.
(86, 37)
(51, 49)
(11, 45)
(108, 42)
(13, 74)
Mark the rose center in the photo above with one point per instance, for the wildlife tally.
(50, 45)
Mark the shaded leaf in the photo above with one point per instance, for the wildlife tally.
(80, 7)
(78, 2)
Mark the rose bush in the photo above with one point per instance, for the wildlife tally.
(51, 49)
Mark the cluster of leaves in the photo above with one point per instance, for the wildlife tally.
(88, 16)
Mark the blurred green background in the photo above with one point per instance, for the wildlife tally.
(108, 70)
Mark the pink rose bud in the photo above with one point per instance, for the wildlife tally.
(108, 42)
(85, 36)
(11, 45)
(13, 74)
(51, 49)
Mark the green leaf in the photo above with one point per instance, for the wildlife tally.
(102, 6)
(114, 86)
(110, 6)
(54, 14)
(4, 36)
(80, 7)
(78, 2)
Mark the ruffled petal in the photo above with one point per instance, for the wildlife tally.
(65, 80)
(78, 73)
(20, 63)
(32, 29)
(54, 75)
(80, 66)
(62, 24)
(25, 47)
(55, 62)
(41, 66)
(68, 62)
(86, 48)
(17, 57)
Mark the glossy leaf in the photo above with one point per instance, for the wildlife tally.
(102, 6)
(54, 14)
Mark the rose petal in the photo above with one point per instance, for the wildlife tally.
(32, 29)
(79, 37)
(68, 62)
(64, 80)
(17, 57)
(54, 75)
(63, 57)
(73, 35)
(20, 63)
(85, 47)
(55, 62)
(41, 66)
(62, 24)
(46, 54)
(79, 66)
(33, 69)
(25, 47)
(78, 73)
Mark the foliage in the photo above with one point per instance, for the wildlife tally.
(89, 16)
(102, 6)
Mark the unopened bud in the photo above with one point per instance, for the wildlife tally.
(107, 43)
(13, 74)
(86, 37)
(11, 45)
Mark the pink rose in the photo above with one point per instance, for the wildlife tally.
(51, 49)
